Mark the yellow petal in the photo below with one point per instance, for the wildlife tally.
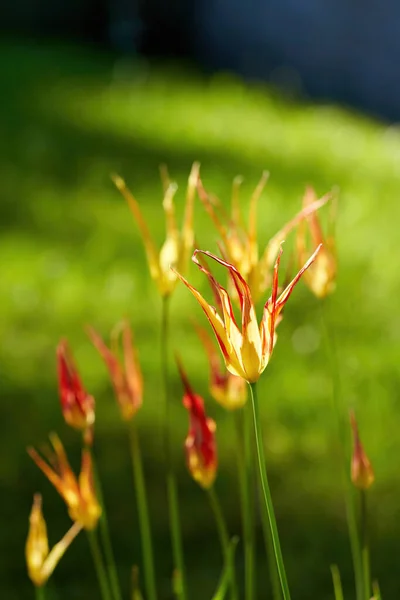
(150, 248)
(59, 550)
(252, 230)
(235, 205)
(213, 317)
(308, 209)
(37, 545)
(246, 345)
(283, 298)
(187, 227)
(132, 367)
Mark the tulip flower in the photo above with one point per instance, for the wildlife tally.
(200, 446)
(126, 378)
(78, 493)
(178, 244)
(321, 277)
(40, 561)
(240, 246)
(246, 350)
(76, 404)
(362, 474)
(228, 390)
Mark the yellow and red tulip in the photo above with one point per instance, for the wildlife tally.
(200, 445)
(362, 474)
(127, 377)
(321, 277)
(77, 492)
(228, 390)
(178, 244)
(240, 245)
(41, 561)
(78, 407)
(246, 350)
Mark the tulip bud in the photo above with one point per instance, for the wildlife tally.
(362, 474)
(78, 493)
(321, 276)
(76, 404)
(126, 376)
(200, 446)
(40, 562)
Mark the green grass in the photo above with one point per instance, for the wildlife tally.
(70, 254)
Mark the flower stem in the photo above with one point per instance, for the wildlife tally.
(337, 583)
(106, 538)
(365, 545)
(144, 521)
(99, 565)
(172, 492)
(267, 494)
(344, 456)
(40, 593)
(248, 499)
(225, 579)
(224, 540)
(269, 548)
(245, 472)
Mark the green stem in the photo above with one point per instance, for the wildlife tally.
(144, 521)
(99, 565)
(106, 538)
(269, 549)
(344, 456)
(224, 540)
(249, 506)
(225, 579)
(365, 545)
(267, 493)
(40, 593)
(337, 583)
(245, 461)
(172, 493)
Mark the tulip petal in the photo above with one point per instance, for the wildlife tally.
(273, 245)
(217, 376)
(247, 343)
(58, 550)
(132, 367)
(315, 226)
(150, 248)
(112, 363)
(187, 227)
(205, 199)
(283, 298)
(236, 215)
(252, 229)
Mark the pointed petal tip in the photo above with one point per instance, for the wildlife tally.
(194, 174)
(182, 373)
(118, 181)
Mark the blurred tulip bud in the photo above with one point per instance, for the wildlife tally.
(40, 562)
(239, 242)
(127, 377)
(76, 404)
(200, 446)
(178, 245)
(78, 493)
(362, 474)
(321, 276)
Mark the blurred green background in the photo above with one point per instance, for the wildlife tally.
(70, 254)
